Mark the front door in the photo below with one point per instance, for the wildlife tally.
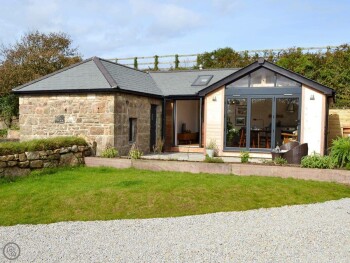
(153, 126)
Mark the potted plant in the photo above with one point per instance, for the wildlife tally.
(211, 148)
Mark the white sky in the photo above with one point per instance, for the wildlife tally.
(114, 28)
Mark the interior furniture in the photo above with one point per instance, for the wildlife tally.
(242, 140)
(289, 137)
(188, 137)
(345, 131)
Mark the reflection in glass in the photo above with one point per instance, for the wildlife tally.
(260, 124)
(236, 116)
(287, 115)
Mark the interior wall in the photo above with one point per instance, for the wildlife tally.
(187, 111)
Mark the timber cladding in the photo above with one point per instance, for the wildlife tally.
(337, 119)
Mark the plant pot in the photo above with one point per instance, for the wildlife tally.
(210, 152)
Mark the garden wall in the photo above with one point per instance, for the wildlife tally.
(327, 175)
(22, 163)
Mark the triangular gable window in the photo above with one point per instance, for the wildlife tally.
(263, 78)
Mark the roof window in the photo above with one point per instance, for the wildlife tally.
(202, 80)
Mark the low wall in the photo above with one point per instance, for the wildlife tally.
(22, 163)
(327, 175)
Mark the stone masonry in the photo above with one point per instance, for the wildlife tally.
(22, 163)
(102, 118)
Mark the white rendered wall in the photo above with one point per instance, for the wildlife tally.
(313, 120)
(214, 118)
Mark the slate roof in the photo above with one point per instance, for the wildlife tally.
(93, 74)
(96, 74)
(179, 83)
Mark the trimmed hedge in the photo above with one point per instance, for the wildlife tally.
(7, 148)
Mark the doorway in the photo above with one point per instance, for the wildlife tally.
(153, 126)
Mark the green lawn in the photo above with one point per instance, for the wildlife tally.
(106, 193)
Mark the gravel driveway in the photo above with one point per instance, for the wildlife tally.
(303, 233)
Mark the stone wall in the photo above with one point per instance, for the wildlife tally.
(131, 106)
(22, 163)
(101, 118)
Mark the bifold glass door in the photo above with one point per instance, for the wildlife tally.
(260, 122)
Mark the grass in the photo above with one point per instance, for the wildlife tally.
(40, 144)
(82, 193)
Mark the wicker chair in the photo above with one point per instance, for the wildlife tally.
(295, 154)
(289, 145)
(292, 151)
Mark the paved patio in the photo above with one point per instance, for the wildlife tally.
(193, 157)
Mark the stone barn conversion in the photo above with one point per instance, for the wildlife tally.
(252, 109)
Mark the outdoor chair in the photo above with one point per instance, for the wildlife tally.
(292, 151)
(294, 155)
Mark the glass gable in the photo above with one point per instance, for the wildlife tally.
(263, 78)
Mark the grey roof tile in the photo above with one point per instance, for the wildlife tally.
(85, 75)
(130, 79)
(180, 82)
(96, 73)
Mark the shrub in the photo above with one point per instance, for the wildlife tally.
(134, 152)
(280, 161)
(340, 151)
(244, 157)
(212, 146)
(213, 160)
(3, 133)
(347, 167)
(110, 152)
(7, 148)
(318, 161)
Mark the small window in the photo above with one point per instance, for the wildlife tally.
(202, 80)
(132, 129)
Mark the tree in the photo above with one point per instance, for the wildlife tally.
(34, 55)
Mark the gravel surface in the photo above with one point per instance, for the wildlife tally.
(303, 233)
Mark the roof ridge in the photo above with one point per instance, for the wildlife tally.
(52, 74)
(115, 63)
(111, 81)
(194, 70)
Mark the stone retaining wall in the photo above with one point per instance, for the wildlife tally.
(327, 175)
(22, 163)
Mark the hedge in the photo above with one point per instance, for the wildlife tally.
(7, 148)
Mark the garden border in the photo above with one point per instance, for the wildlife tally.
(326, 175)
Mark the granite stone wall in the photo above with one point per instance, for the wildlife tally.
(22, 163)
(131, 106)
(101, 118)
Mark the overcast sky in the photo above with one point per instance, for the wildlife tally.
(113, 28)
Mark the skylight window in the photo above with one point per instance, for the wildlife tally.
(202, 80)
